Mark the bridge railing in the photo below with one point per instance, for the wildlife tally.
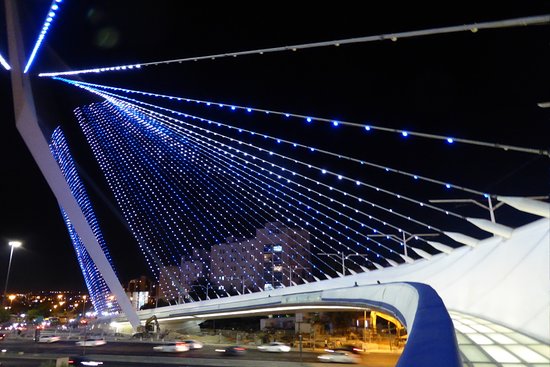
(431, 335)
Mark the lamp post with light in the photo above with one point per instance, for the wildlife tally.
(202, 286)
(404, 238)
(12, 244)
(83, 305)
(343, 257)
(11, 298)
(295, 267)
(85, 324)
(490, 207)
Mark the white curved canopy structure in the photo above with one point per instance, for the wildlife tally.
(504, 280)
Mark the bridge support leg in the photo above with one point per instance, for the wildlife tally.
(27, 125)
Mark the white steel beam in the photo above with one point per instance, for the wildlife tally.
(27, 124)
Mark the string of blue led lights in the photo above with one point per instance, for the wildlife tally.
(136, 202)
(310, 119)
(310, 166)
(399, 196)
(158, 267)
(52, 12)
(282, 168)
(98, 87)
(180, 165)
(162, 139)
(234, 171)
(97, 288)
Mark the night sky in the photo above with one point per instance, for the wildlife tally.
(483, 86)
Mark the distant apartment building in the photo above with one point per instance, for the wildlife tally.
(176, 282)
(194, 268)
(277, 256)
(139, 290)
(170, 287)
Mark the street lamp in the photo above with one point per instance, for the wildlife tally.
(85, 325)
(83, 305)
(12, 244)
(202, 286)
(11, 297)
(343, 257)
(490, 207)
(405, 239)
(296, 267)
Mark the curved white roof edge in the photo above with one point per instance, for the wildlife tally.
(503, 280)
(527, 205)
(491, 227)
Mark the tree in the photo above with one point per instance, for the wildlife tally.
(341, 320)
(4, 315)
(34, 314)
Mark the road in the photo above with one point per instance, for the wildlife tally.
(26, 353)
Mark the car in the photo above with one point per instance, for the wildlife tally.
(349, 348)
(83, 361)
(232, 350)
(172, 347)
(3, 336)
(193, 344)
(91, 342)
(339, 357)
(49, 338)
(274, 347)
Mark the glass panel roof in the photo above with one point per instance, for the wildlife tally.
(483, 343)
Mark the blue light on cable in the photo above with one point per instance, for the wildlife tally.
(45, 27)
(95, 283)
(271, 173)
(4, 63)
